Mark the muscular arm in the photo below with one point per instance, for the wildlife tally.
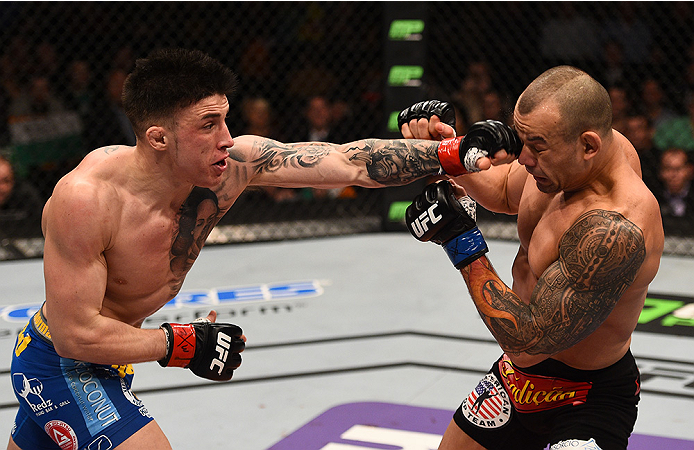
(498, 188)
(599, 257)
(367, 163)
(76, 274)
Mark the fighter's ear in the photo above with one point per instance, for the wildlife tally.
(156, 137)
(591, 144)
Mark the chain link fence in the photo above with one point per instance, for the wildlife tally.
(320, 71)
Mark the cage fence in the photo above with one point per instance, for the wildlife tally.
(62, 66)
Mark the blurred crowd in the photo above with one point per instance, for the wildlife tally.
(57, 104)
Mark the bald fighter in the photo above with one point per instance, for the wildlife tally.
(591, 239)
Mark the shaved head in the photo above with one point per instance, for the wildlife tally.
(583, 103)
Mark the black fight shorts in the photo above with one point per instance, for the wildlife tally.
(551, 402)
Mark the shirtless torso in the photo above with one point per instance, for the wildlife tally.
(123, 229)
(543, 221)
(591, 239)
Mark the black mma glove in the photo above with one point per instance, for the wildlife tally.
(424, 110)
(436, 215)
(209, 350)
(459, 155)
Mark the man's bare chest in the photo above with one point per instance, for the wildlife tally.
(139, 259)
(542, 220)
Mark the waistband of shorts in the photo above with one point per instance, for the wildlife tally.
(39, 325)
(553, 368)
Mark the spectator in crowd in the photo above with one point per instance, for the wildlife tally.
(678, 131)
(318, 124)
(20, 205)
(676, 198)
(124, 59)
(114, 127)
(259, 120)
(347, 125)
(495, 106)
(256, 69)
(46, 61)
(319, 127)
(621, 106)
(631, 32)
(639, 131)
(79, 93)
(653, 102)
(564, 38)
(5, 100)
(80, 96)
(37, 101)
(470, 97)
(614, 70)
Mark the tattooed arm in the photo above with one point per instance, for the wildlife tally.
(599, 257)
(367, 163)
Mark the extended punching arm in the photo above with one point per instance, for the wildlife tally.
(459, 155)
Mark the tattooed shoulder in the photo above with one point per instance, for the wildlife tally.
(602, 250)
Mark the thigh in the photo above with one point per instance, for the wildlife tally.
(29, 434)
(150, 437)
(487, 418)
(609, 424)
(456, 439)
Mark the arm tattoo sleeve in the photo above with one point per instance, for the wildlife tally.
(389, 162)
(599, 258)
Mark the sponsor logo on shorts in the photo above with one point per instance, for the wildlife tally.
(90, 396)
(128, 394)
(532, 393)
(100, 443)
(62, 434)
(488, 405)
(30, 390)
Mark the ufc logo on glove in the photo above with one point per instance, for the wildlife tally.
(223, 345)
(419, 225)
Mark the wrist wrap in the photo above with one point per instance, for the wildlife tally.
(180, 345)
(465, 248)
(449, 156)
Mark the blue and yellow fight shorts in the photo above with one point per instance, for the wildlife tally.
(67, 404)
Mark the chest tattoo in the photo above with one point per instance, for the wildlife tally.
(198, 215)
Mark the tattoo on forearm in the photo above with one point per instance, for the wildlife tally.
(600, 256)
(390, 162)
(397, 161)
(199, 214)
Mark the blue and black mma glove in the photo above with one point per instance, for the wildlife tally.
(459, 155)
(436, 215)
